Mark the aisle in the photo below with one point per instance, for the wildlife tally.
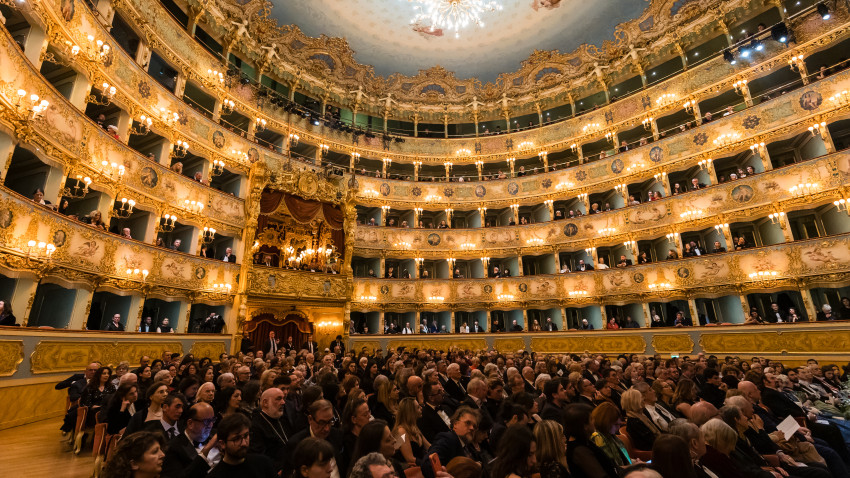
(38, 449)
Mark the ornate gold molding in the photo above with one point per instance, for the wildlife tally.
(668, 344)
(440, 344)
(11, 355)
(52, 356)
(208, 349)
(777, 342)
(588, 343)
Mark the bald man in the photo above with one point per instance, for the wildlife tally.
(702, 412)
(528, 378)
(270, 430)
(414, 388)
(191, 453)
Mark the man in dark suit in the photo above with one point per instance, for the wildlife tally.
(310, 345)
(713, 390)
(695, 184)
(556, 398)
(115, 324)
(475, 329)
(172, 409)
(289, 345)
(189, 455)
(718, 248)
(454, 385)
(269, 429)
(320, 417)
(272, 345)
(775, 314)
(550, 326)
(624, 262)
(451, 444)
(229, 256)
(583, 267)
(338, 343)
(476, 398)
(435, 419)
(176, 245)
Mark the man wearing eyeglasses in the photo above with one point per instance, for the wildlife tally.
(75, 385)
(454, 443)
(234, 439)
(193, 452)
(320, 417)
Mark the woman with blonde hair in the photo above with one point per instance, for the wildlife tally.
(551, 449)
(267, 379)
(415, 445)
(685, 396)
(641, 430)
(386, 406)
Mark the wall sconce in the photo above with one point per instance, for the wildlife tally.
(525, 145)
(218, 168)
(647, 124)
(511, 161)
(260, 124)
(448, 165)
(126, 208)
(451, 262)
(436, 298)
(431, 198)
(167, 116)
(740, 86)
(482, 211)
(195, 207)
(208, 235)
(139, 275)
(665, 99)
(564, 185)
(574, 147)
(387, 161)
(324, 150)
(78, 190)
(96, 50)
(607, 231)
(705, 164)
(167, 223)
(689, 106)
(227, 106)
(34, 109)
(720, 228)
(463, 152)
(416, 164)
(355, 156)
(222, 289)
(141, 127)
(803, 189)
(726, 139)
(629, 243)
(534, 241)
(817, 129)
(385, 209)
(632, 168)
(515, 209)
(418, 261)
(368, 298)
(329, 323)
(577, 293)
(756, 148)
(590, 128)
(293, 139)
(777, 218)
(505, 297)
(673, 237)
(370, 193)
(40, 250)
(239, 155)
(621, 188)
(112, 171)
(763, 275)
(841, 98)
(402, 245)
(660, 176)
(467, 246)
(795, 62)
(660, 285)
(841, 204)
(180, 149)
(590, 250)
(582, 197)
(485, 263)
(107, 93)
(691, 214)
(549, 202)
(215, 77)
(610, 137)
(543, 154)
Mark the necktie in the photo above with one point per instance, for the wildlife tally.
(172, 432)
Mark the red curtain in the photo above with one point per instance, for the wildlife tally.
(292, 325)
(303, 211)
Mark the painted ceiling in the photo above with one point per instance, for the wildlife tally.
(380, 32)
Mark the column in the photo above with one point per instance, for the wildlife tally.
(557, 257)
(80, 310)
(519, 265)
(697, 113)
(511, 162)
(745, 92)
(604, 314)
(252, 129)
(585, 199)
(712, 173)
(679, 247)
(682, 55)
(134, 316)
(418, 319)
(665, 182)
(124, 123)
(180, 86)
(745, 305)
(35, 44)
(507, 115)
(183, 316)
(655, 133)
(594, 254)
(445, 126)
(80, 91)
(380, 323)
(692, 305)
(382, 267)
(785, 225)
(647, 315)
(580, 151)
(544, 155)
(318, 157)
(809, 304)
(7, 148)
(551, 206)
(727, 236)
(416, 166)
(23, 297)
(216, 112)
(827, 139)
(633, 247)
(143, 55)
(764, 155)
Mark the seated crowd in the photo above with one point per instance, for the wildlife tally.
(290, 412)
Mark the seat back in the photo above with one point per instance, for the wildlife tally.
(82, 414)
(631, 450)
(98, 446)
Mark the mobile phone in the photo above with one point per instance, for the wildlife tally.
(435, 462)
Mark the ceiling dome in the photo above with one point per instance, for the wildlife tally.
(381, 33)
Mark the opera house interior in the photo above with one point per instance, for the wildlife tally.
(502, 238)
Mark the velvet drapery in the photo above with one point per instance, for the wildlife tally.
(303, 211)
(292, 325)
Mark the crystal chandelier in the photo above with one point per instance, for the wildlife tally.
(452, 14)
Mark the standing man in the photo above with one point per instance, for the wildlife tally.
(310, 345)
(272, 345)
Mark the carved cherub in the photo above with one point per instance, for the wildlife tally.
(597, 69)
(388, 101)
(475, 104)
(359, 94)
(271, 52)
(634, 53)
(242, 29)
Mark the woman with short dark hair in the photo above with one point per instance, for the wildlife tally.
(517, 453)
(138, 455)
(585, 459)
(313, 458)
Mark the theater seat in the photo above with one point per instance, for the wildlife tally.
(79, 429)
(633, 452)
(98, 448)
